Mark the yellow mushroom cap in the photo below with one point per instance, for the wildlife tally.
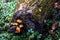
(21, 25)
(18, 30)
(19, 21)
(14, 23)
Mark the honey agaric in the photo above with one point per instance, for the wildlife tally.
(19, 21)
(18, 30)
(21, 25)
(14, 24)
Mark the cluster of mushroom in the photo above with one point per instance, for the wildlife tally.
(18, 29)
